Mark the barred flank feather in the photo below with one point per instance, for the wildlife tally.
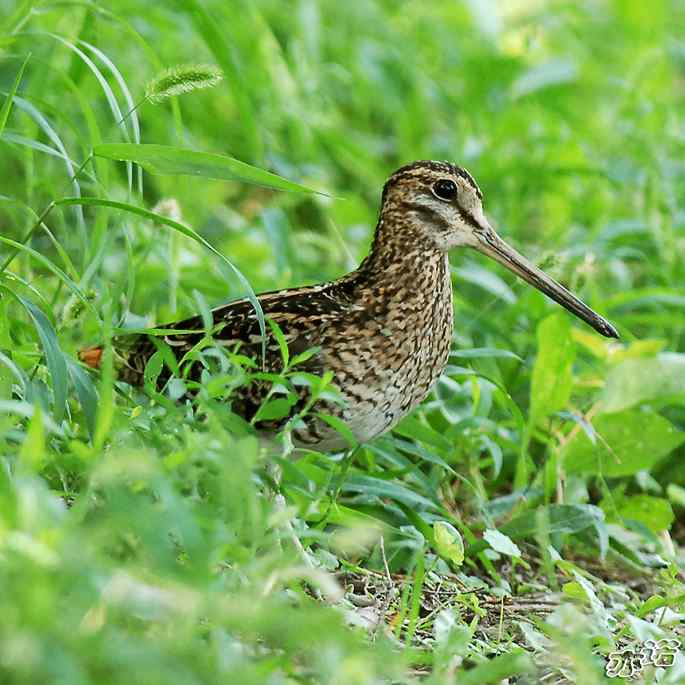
(182, 79)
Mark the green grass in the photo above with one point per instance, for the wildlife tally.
(136, 542)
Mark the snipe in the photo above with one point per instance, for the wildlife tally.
(385, 329)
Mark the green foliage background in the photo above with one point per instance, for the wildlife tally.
(135, 542)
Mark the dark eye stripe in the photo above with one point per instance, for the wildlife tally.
(428, 214)
(469, 219)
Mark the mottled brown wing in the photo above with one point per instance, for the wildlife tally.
(302, 314)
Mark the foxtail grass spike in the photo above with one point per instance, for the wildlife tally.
(182, 79)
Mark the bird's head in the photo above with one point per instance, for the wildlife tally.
(442, 205)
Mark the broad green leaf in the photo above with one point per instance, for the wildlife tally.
(17, 372)
(501, 543)
(445, 626)
(171, 160)
(654, 512)
(273, 410)
(651, 604)
(574, 591)
(561, 518)
(635, 298)
(640, 380)
(582, 590)
(627, 442)
(419, 522)
(152, 370)
(304, 356)
(413, 447)
(647, 347)
(552, 377)
(592, 342)
(168, 357)
(369, 485)
(54, 357)
(448, 542)
(411, 427)
(340, 515)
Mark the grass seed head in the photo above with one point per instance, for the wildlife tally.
(182, 79)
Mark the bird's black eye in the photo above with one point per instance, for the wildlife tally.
(445, 189)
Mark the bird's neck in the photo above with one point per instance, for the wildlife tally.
(402, 265)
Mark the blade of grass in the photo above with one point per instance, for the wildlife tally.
(50, 132)
(416, 594)
(214, 35)
(66, 260)
(135, 125)
(86, 393)
(12, 279)
(7, 106)
(18, 18)
(51, 267)
(109, 95)
(105, 408)
(172, 160)
(27, 411)
(11, 137)
(18, 374)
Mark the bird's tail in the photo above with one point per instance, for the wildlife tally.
(130, 357)
(91, 356)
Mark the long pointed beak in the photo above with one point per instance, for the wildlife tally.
(493, 246)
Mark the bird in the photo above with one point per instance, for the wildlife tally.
(384, 331)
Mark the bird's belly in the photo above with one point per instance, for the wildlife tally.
(374, 409)
(368, 410)
(365, 422)
(366, 426)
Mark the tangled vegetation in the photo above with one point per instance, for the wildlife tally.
(525, 523)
